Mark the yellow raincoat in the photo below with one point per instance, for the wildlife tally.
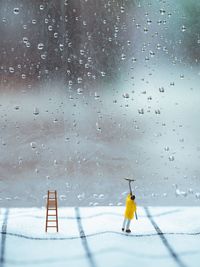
(130, 208)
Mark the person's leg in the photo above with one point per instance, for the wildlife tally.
(128, 226)
(124, 224)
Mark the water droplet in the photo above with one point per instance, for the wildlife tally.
(123, 56)
(62, 197)
(141, 111)
(28, 44)
(183, 28)
(197, 195)
(96, 95)
(125, 95)
(149, 21)
(61, 46)
(190, 190)
(43, 56)
(162, 11)
(95, 196)
(122, 9)
(50, 28)
(11, 70)
(3, 143)
(158, 46)
(16, 10)
(79, 91)
(36, 111)
(40, 46)
(101, 196)
(152, 54)
(25, 40)
(161, 90)
(157, 111)
(171, 158)
(41, 7)
(33, 145)
(98, 127)
(79, 79)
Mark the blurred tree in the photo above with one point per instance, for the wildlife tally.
(192, 14)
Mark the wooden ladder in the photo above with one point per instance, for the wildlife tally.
(52, 210)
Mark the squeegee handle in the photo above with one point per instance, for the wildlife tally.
(130, 187)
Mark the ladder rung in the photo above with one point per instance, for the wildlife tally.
(52, 219)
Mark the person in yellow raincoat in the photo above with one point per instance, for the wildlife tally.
(131, 208)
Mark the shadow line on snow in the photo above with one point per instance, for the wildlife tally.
(100, 252)
(97, 234)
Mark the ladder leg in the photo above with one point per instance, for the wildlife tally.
(56, 211)
(47, 208)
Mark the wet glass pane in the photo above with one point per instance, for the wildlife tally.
(95, 91)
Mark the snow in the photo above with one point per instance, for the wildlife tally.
(91, 236)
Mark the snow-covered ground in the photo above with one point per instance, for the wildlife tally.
(92, 237)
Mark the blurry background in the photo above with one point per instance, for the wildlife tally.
(94, 91)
